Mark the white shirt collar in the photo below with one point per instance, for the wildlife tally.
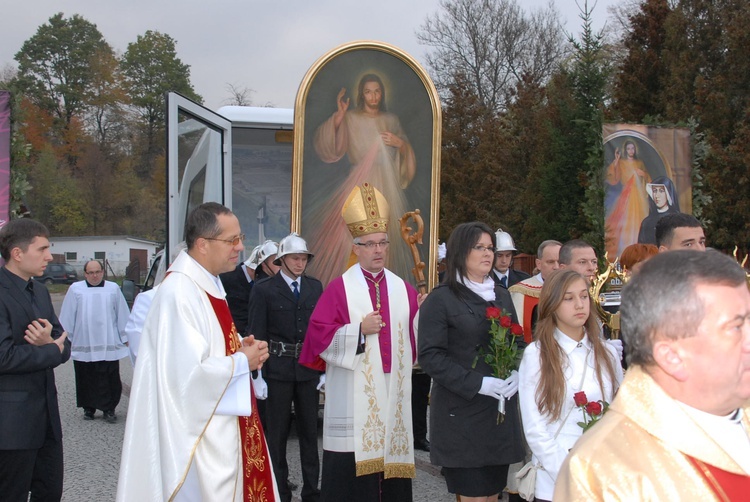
(727, 431)
(247, 275)
(500, 275)
(289, 280)
(568, 344)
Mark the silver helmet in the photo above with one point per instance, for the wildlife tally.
(252, 260)
(503, 241)
(268, 248)
(292, 244)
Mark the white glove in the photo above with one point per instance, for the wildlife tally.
(511, 385)
(260, 387)
(492, 387)
(322, 383)
(617, 344)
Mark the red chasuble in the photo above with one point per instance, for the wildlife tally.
(529, 302)
(257, 474)
(727, 486)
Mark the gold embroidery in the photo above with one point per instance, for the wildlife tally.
(526, 289)
(253, 447)
(234, 340)
(400, 471)
(399, 440)
(373, 433)
(257, 491)
(371, 466)
(367, 227)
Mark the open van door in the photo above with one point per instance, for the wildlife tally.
(199, 163)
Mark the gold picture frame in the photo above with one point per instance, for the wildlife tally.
(321, 178)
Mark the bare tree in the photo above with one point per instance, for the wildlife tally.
(8, 73)
(493, 44)
(238, 96)
(618, 18)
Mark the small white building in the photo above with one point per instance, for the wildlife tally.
(118, 251)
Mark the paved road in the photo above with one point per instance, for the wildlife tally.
(93, 448)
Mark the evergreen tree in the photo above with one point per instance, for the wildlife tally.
(638, 83)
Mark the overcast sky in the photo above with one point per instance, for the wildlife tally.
(264, 45)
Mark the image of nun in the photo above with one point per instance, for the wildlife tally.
(662, 201)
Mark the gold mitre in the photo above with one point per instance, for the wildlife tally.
(365, 211)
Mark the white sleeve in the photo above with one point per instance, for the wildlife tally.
(540, 440)
(236, 400)
(518, 303)
(123, 314)
(68, 312)
(342, 351)
(134, 326)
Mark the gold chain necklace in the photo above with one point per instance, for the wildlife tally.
(377, 290)
(377, 293)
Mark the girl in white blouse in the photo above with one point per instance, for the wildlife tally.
(568, 355)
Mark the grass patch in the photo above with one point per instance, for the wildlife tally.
(58, 288)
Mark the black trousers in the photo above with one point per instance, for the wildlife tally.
(420, 398)
(340, 482)
(39, 471)
(98, 385)
(304, 395)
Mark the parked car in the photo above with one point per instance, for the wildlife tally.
(58, 273)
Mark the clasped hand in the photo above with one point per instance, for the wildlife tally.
(499, 388)
(256, 351)
(39, 333)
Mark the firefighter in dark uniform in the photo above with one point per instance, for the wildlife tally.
(280, 308)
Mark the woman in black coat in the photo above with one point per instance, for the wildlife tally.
(466, 440)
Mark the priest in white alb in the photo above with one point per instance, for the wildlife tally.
(361, 333)
(193, 432)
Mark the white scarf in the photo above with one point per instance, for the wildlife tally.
(485, 289)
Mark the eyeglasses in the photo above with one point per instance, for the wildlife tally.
(234, 241)
(373, 245)
(482, 249)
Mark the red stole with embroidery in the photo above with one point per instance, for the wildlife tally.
(257, 474)
(727, 486)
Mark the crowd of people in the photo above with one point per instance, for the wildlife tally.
(528, 395)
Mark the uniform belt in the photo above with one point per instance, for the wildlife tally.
(282, 349)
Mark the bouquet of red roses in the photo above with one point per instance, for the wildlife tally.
(501, 354)
(592, 411)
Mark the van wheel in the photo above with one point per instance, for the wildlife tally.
(48, 281)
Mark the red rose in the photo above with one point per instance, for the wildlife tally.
(594, 409)
(493, 313)
(516, 329)
(505, 321)
(580, 398)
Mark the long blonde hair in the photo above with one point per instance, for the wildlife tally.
(550, 390)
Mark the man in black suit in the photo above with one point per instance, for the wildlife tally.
(32, 343)
(280, 308)
(502, 273)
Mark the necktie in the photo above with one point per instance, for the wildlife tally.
(34, 305)
(295, 290)
(504, 281)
